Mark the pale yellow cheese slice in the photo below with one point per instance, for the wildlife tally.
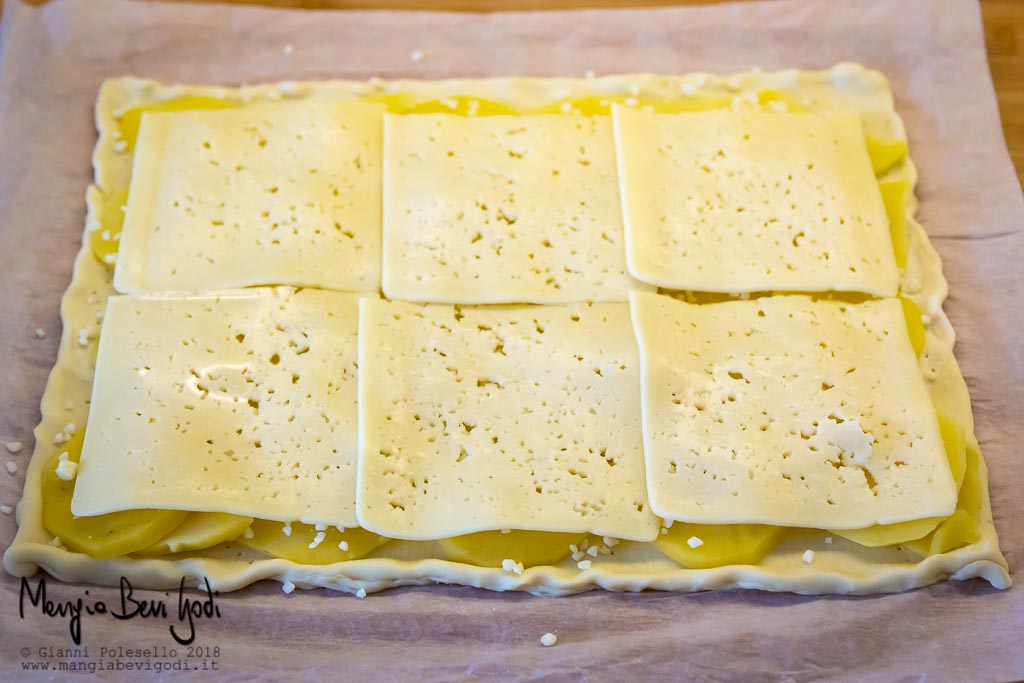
(727, 201)
(243, 402)
(272, 193)
(523, 418)
(787, 410)
(502, 209)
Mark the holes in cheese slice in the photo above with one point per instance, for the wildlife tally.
(309, 544)
(789, 411)
(200, 530)
(492, 548)
(502, 209)
(701, 546)
(770, 201)
(954, 440)
(102, 536)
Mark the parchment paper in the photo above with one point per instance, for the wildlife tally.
(53, 60)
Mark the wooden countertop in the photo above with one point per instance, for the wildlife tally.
(1004, 36)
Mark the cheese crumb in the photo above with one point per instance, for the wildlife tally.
(512, 566)
(926, 319)
(808, 556)
(688, 88)
(320, 527)
(631, 101)
(248, 533)
(12, 466)
(318, 539)
(14, 446)
(120, 146)
(565, 107)
(592, 551)
(6, 509)
(84, 335)
(416, 56)
(287, 586)
(66, 469)
(361, 593)
(668, 523)
(583, 564)
(61, 437)
(288, 49)
(506, 531)
(609, 541)
(70, 428)
(343, 546)
(828, 540)
(589, 73)
(287, 529)
(634, 90)
(694, 542)
(40, 333)
(548, 639)
(56, 542)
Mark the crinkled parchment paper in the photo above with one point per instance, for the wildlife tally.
(52, 61)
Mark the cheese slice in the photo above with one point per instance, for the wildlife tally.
(243, 402)
(272, 193)
(502, 209)
(787, 410)
(725, 201)
(480, 419)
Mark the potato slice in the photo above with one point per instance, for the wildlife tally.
(601, 105)
(301, 544)
(885, 153)
(102, 536)
(396, 102)
(896, 197)
(963, 528)
(199, 530)
(132, 118)
(954, 440)
(491, 548)
(915, 327)
(767, 97)
(720, 544)
(461, 105)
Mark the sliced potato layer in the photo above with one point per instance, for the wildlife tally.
(492, 548)
(102, 536)
(304, 544)
(199, 530)
(701, 546)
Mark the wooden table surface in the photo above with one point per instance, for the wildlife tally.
(1004, 36)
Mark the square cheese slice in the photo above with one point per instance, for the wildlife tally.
(725, 201)
(502, 209)
(242, 403)
(475, 419)
(281, 193)
(787, 410)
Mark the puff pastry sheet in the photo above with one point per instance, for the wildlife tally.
(839, 567)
